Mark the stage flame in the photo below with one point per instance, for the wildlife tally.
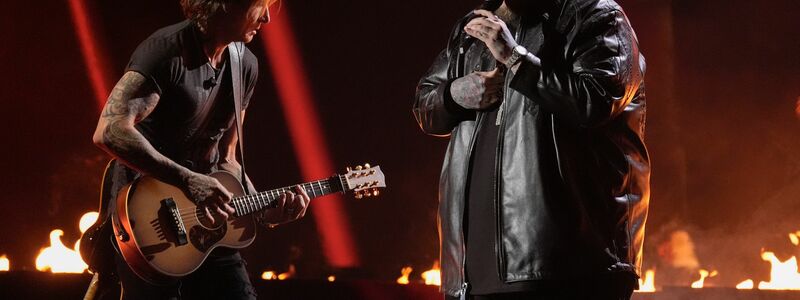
(58, 258)
(87, 220)
(433, 276)
(288, 274)
(795, 238)
(783, 276)
(404, 278)
(648, 285)
(269, 275)
(703, 275)
(745, 285)
(5, 265)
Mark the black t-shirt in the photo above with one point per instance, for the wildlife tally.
(481, 267)
(186, 125)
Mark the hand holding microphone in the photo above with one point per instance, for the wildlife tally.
(493, 32)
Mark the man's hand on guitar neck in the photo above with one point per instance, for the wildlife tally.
(291, 206)
(209, 193)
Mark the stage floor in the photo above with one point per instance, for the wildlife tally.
(39, 285)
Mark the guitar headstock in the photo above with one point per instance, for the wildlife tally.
(364, 180)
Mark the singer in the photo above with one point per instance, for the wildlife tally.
(170, 117)
(544, 189)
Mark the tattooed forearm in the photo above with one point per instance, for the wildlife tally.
(132, 100)
(478, 90)
(467, 91)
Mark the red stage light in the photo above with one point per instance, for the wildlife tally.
(308, 141)
(92, 55)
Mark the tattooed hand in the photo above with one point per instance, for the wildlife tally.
(492, 31)
(209, 194)
(478, 90)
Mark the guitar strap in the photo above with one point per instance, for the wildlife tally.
(236, 52)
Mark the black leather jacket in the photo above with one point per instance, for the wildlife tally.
(582, 108)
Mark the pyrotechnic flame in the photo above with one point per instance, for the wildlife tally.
(5, 265)
(647, 285)
(433, 276)
(87, 220)
(703, 275)
(269, 275)
(58, 258)
(745, 285)
(288, 274)
(795, 238)
(783, 276)
(404, 278)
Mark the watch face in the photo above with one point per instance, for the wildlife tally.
(521, 50)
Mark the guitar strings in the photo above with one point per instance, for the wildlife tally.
(245, 202)
(267, 196)
(250, 200)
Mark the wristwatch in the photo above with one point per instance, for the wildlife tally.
(518, 52)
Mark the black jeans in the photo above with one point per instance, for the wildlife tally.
(220, 277)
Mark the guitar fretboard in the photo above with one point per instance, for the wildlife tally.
(248, 204)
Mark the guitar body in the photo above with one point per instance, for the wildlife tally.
(163, 235)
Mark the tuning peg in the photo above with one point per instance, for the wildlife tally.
(359, 195)
(375, 192)
(359, 167)
(367, 166)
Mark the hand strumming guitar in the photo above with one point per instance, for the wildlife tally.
(209, 194)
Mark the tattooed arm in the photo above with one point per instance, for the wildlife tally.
(478, 90)
(133, 99)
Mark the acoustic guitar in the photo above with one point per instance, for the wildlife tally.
(163, 235)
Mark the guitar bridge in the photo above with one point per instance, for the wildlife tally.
(175, 221)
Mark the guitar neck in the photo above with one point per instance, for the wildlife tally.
(248, 204)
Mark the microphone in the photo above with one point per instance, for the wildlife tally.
(209, 83)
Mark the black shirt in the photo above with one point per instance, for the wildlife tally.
(187, 124)
(482, 267)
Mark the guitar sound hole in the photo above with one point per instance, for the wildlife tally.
(206, 222)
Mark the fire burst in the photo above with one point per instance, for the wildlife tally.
(5, 265)
(58, 258)
(783, 276)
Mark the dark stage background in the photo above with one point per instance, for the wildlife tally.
(723, 84)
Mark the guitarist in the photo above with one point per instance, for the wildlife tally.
(171, 116)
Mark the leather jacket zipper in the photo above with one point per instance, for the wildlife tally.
(498, 165)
